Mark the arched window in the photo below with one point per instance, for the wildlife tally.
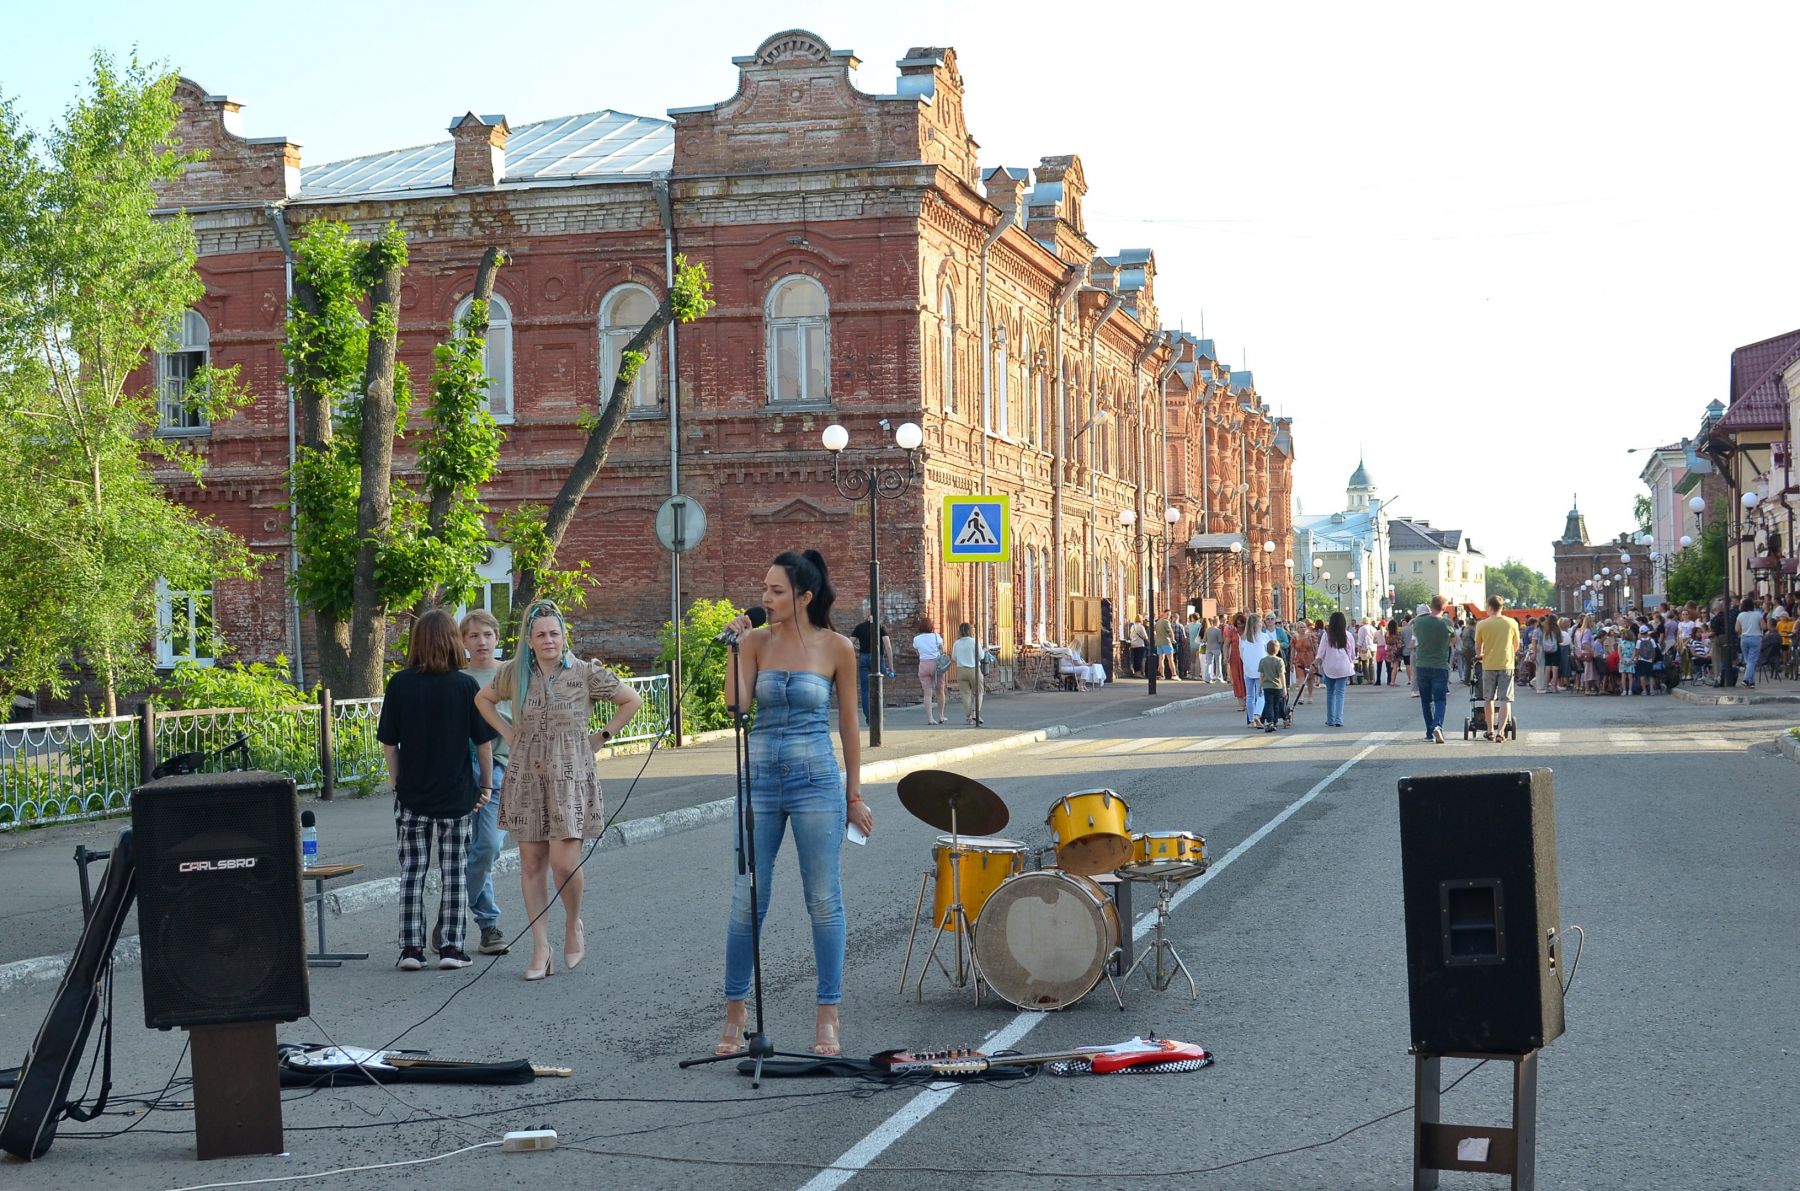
(623, 312)
(1030, 594)
(497, 356)
(191, 348)
(1002, 390)
(947, 349)
(799, 341)
(1043, 607)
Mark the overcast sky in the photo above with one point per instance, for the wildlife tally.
(1492, 247)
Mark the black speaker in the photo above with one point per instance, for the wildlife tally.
(219, 899)
(1478, 871)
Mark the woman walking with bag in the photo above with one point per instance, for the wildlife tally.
(934, 670)
(553, 797)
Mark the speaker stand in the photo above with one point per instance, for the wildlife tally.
(237, 1090)
(1437, 1146)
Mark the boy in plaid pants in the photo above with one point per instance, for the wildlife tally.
(428, 722)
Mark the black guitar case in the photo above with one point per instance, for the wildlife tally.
(41, 1088)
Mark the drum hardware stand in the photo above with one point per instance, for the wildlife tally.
(757, 1046)
(1161, 979)
(956, 916)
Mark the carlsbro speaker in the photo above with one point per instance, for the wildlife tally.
(1478, 870)
(219, 899)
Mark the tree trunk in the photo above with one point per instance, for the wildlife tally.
(333, 636)
(330, 632)
(374, 506)
(593, 455)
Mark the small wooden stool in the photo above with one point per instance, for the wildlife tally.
(318, 876)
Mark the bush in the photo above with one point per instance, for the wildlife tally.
(258, 686)
(702, 667)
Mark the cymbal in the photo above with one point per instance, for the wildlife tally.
(931, 793)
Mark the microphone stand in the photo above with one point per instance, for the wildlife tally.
(757, 1046)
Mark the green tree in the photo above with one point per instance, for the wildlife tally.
(685, 300)
(703, 669)
(1698, 573)
(1318, 603)
(369, 541)
(1641, 513)
(1410, 593)
(92, 280)
(1519, 585)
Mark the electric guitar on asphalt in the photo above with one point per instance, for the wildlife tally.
(1103, 1060)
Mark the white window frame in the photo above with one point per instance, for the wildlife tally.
(646, 388)
(1030, 594)
(167, 655)
(947, 349)
(500, 332)
(192, 337)
(495, 572)
(812, 333)
(1002, 388)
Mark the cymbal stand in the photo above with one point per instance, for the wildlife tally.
(1160, 979)
(954, 917)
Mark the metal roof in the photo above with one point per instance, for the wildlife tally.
(594, 146)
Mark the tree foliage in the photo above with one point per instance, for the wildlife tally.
(1519, 585)
(703, 669)
(1641, 513)
(1410, 593)
(92, 281)
(1698, 572)
(369, 540)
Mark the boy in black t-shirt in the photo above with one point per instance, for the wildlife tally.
(428, 722)
(860, 634)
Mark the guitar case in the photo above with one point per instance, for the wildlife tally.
(41, 1088)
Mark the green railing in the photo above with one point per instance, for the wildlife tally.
(58, 771)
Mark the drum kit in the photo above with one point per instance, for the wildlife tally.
(1040, 936)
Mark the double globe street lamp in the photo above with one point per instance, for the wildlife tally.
(1145, 545)
(874, 483)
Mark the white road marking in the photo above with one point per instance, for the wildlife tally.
(874, 1143)
(1207, 745)
(1134, 746)
(1543, 738)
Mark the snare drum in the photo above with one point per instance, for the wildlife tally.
(1044, 939)
(984, 862)
(1092, 830)
(1175, 855)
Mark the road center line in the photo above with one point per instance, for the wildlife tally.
(877, 1140)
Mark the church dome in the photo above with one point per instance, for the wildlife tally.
(1360, 477)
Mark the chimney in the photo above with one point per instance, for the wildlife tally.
(480, 160)
(1006, 189)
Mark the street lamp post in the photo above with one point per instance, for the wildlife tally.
(874, 483)
(1145, 545)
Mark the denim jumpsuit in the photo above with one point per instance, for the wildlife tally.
(794, 780)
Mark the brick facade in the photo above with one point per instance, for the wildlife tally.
(1034, 365)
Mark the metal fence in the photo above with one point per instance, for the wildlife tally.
(58, 771)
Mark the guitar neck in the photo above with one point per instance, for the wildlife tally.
(537, 1069)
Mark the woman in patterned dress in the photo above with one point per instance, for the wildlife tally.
(552, 798)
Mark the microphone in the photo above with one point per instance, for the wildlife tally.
(757, 618)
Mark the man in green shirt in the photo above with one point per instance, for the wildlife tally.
(1497, 640)
(1431, 666)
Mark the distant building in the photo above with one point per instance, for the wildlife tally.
(1445, 560)
(1344, 554)
(1591, 576)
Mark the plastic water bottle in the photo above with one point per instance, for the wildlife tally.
(309, 840)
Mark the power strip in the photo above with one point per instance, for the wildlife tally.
(522, 1141)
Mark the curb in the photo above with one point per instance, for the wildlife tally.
(1788, 745)
(383, 891)
(1740, 700)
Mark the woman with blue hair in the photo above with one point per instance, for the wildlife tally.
(553, 798)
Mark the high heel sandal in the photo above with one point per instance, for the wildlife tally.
(825, 1039)
(549, 967)
(731, 1039)
(572, 958)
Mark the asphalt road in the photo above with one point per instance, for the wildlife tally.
(1676, 835)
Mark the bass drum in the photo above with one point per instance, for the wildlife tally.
(1044, 939)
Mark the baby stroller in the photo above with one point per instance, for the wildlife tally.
(1476, 720)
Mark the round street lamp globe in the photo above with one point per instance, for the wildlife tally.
(1127, 517)
(1237, 547)
(1606, 570)
(1751, 500)
(1697, 504)
(1686, 541)
(908, 436)
(835, 438)
(1288, 563)
(1171, 515)
(1268, 547)
(1624, 558)
(1325, 575)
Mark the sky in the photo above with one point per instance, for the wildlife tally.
(1488, 248)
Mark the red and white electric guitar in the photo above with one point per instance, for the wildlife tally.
(1136, 1052)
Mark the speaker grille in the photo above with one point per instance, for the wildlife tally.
(220, 900)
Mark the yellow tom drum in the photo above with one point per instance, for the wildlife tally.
(1159, 855)
(1092, 830)
(984, 862)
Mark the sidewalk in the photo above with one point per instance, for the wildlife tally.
(1766, 691)
(40, 901)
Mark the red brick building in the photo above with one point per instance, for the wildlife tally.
(867, 273)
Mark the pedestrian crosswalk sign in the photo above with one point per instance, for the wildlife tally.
(977, 529)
